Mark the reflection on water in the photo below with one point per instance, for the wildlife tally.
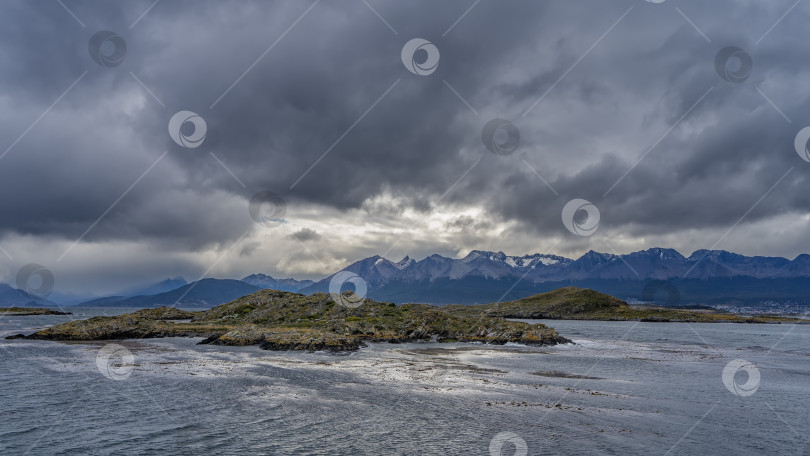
(623, 388)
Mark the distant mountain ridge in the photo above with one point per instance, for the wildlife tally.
(12, 297)
(484, 276)
(202, 293)
(163, 286)
(655, 263)
(705, 277)
(264, 281)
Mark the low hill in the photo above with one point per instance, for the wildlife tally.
(558, 304)
(573, 303)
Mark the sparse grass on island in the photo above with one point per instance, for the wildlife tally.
(21, 311)
(277, 320)
(573, 303)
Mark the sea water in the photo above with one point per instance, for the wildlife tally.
(622, 388)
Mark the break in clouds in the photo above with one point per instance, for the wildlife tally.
(617, 103)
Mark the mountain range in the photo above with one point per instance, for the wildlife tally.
(657, 274)
(202, 293)
(265, 281)
(12, 297)
(663, 276)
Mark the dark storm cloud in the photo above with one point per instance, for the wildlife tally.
(306, 234)
(420, 138)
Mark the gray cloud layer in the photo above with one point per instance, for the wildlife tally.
(593, 124)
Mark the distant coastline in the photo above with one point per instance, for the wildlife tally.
(23, 311)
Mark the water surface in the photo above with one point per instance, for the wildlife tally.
(624, 388)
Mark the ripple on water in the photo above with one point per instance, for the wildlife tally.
(621, 397)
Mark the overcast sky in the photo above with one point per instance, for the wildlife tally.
(619, 103)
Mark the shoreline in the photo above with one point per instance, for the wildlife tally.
(27, 311)
(283, 321)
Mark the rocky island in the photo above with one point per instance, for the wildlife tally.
(280, 320)
(21, 311)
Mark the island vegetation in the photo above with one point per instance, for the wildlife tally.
(18, 311)
(573, 303)
(279, 320)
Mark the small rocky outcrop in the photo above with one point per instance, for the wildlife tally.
(23, 311)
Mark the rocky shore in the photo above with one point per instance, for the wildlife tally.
(277, 320)
(21, 311)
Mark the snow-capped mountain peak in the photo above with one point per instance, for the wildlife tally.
(478, 268)
(405, 262)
